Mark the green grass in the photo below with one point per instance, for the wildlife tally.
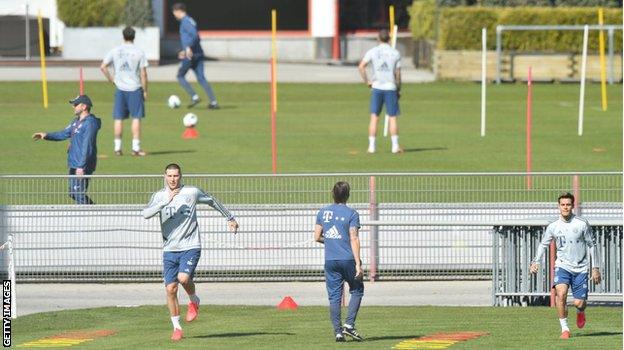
(254, 327)
(322, 128)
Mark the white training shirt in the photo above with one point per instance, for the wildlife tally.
(575, 243)
(385, 61)
(127, 62)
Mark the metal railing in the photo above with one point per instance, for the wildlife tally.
(610, 35)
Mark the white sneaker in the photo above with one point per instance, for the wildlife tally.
(370, 150)
(397, 150)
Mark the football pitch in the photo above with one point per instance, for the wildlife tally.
(322, 128)
(254, 327)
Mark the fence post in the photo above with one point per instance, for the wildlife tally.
(498, 53)
(610, 41)
(374, 230)
(27, 23)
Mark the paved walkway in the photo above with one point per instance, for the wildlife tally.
(34, 298)
(221, 71)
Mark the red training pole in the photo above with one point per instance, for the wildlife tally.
(576, 189)
(528, 131)
(336, 40)
(273, 115)
(81, 82)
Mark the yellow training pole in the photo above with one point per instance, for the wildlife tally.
(603, 68)
(391, 21)
(274, 55)
(44, 81)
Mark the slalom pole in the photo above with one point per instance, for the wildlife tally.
(583, 71)
(42, 59)
(603, 68)
(273, 91)
(81, 82)
(483, 77)
(393, 43)
(529, 116)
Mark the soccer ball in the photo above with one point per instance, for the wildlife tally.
(174, 101)
(189, 120)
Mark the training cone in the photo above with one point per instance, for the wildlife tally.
(190, 133)
(287, 304)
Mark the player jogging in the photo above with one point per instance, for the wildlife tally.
(386, 87)
(177, 205)
(573, 236)
(337, 228)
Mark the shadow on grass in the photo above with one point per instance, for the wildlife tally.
(157, 153)
(598, 334)
(425, 149)
(393, 337)
(247, 334)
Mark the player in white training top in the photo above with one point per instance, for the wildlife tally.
(177, 205)
(386, 87)
(576, 247)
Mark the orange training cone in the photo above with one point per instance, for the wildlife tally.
(190, 133)
(287, 304)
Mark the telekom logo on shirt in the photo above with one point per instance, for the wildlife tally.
(327, 215)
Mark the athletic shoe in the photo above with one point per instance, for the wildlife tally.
(580, 319)
(118, 153)
(565, 335)
(139, 153)
(370, 150)
(350, 331)
(213, 105)
(192, 312)
(340, 338)
(397, 150)
(177, 334)
(194, 102)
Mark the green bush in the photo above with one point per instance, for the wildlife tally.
(422, 19)
(105, 13)
(460, 28)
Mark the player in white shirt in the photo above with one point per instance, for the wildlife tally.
(576, 247)
(386, 87)
(130, 79)
(177, 206)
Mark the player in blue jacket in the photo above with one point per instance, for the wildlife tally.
(337, 228)
(82, 151)
(192, 57)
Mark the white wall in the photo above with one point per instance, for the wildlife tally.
(323, 18)
(48, 10)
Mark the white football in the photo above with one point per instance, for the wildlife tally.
(189, 120)
(174, 101)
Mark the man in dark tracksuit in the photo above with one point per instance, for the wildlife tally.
(192, 57)
(82, 151)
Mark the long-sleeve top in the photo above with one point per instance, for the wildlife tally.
(178, 217)
(82, 151)
(189, 37)
(574, 240)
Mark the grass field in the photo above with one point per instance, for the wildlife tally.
(322, 128)
(253, 327)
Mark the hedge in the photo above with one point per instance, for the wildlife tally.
(459, 28)
(105, 13)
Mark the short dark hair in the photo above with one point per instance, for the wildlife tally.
(178, 6)
(173, 166)
(128, 33)
(567, 195)
(384, 35)
(341, 192)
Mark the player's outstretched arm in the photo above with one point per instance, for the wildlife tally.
(318, 234)
(39, 136)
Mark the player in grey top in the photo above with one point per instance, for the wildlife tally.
(177, 205)
(576, 247)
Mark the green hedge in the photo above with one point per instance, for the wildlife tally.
(105, 13)
(459, 28)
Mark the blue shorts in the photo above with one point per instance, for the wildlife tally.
(387, 97)
(336, 273)
(128, 103)
(179, 262)
(578, 282)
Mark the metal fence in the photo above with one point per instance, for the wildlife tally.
(513, 247)
(435, 226)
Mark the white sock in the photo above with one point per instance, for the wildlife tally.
(194, 299)
(176, 322)
(371, 142)
(136, 145)
(117, 145)
(564, 324)
(395, 141)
